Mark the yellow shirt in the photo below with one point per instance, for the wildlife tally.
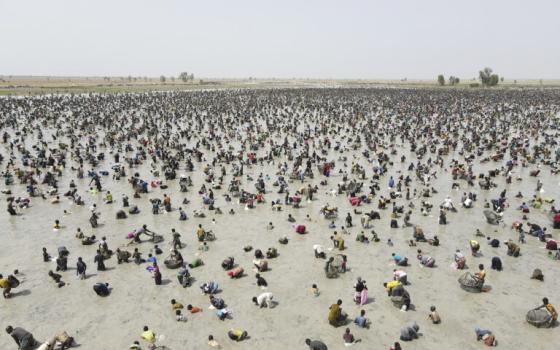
(148, 336)
(392, 284)
(333, 313)
(4, 283)
(176, 306)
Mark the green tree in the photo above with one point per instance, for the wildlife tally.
(441, 80)
(162, 79)
(453, 80)
(487, 78)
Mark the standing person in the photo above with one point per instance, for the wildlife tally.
(81, 268)
(157, 274)
(100, 261)
(23, 338)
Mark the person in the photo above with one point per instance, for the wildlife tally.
(396, 346)
(336, 316)
(481, 274)
(175, 305)
(409, 333)
(460, 260)
(486, 336)
(475, 247)
(512, 248)
(390, 285)
(434, 315)
(157, 274)
(496, 264)
(315, 290)
(81, 268)
(23, 338)
(315, 344)
(237, 334)
(361, 320)
(319, 251)
(99, 259)
(46, 256)
(261, 282)
(550, 308)
(6, 287)
(101, 289)
(401, 276)
(193, 309)
(57, 278)
(180, 317)
(264, 300)
(360, 288)
(212, 343)
(399, 260)
(148, 335)
(135, 346)
(348, 337)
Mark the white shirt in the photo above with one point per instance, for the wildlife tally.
(264, 299)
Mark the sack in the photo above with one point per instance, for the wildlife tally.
(300, 229)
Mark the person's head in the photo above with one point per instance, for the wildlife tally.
(189, 307)
(481, 266)
(257, 275)
(255, 300)
(173, 302)
(178, 312)
(10, 329)
(347, 331)
(307, 341)
(397, 346)
(362, 313)
(545, 300)
(145, 328)
(385, 284)
(143, 226)
(339, 302)
(432, 308)
(210, 337)
(314, 286)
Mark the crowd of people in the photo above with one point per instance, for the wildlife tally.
(339, 171)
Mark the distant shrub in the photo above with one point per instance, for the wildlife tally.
(474, 85)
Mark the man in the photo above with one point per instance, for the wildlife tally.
(315, 344)
(550, 308)
(336, 316)
(81, 269)
(23, 338)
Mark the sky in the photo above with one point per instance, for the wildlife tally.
(391, 39)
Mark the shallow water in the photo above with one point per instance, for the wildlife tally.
(116, 321)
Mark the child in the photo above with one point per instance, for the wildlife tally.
(46, 256)
(56, 225)
(434, 315)
(315, 291)
(179, 316)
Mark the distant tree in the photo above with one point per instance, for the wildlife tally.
(515, 81)
(441, 80)
(129, 78)
(184, 76)
(162, 79)
(172, 79)
(191, 77)
(146, 79)
(487, 78)
(453, 80)
(502, 79)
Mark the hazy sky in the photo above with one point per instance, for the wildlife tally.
(259, 38)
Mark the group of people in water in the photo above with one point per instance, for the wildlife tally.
(397, 164)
